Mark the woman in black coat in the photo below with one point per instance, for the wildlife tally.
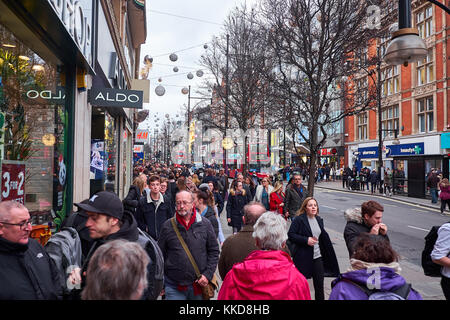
(312, 250)
(235, 205)
(131, 201)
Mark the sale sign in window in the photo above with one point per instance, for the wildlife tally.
(13, 181)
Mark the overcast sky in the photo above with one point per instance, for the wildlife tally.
(168, 33)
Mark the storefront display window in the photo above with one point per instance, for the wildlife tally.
(400, 176)
(33, 124)
(110, 152)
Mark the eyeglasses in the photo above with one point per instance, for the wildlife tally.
(21, 224)
(185, 203)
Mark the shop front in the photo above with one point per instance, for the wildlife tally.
(39, 59)
(334, 157)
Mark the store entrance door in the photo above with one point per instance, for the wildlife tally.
(416, 178)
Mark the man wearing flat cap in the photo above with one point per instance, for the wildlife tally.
(108, 221)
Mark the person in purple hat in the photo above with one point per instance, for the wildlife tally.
(374, 274)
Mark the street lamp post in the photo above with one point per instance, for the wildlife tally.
(190, 118)
(224, 150)
(380, 133)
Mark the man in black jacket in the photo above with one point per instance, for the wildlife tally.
(368, 219)
(181, 281)
(295, 194)
(154, 209)
(26, 270)
(108, 221)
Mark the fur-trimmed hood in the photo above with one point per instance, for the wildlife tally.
(353, 215)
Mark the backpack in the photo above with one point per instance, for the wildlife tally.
(430, 268)
(400, 293)
(64, 248)
(156, 266)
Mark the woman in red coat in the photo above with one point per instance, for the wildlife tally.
(268, 273)
(276, 201)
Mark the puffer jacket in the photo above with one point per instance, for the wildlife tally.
(445, 191)
(389, 280)
(27, 272)
(354, 227)
(202, 243)
(265, 275)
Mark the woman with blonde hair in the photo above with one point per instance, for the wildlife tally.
(312, 250)
(131, 201)
(276, 202)
(196, 180)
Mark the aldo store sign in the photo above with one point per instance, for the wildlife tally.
(107, 97)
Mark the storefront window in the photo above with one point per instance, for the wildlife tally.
(110, 153)
(433, 164)
(33, 123)
(400, 176)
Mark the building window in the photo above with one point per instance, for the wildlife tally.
(425, 69)
(389, 120)
(362, 126)
(391, 81)
(425, 114)
(424, 22)
(361, 86)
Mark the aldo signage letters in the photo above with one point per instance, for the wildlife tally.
(107, 97)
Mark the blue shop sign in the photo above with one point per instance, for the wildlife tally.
(445, 140)
(368, 153)
(408, 149)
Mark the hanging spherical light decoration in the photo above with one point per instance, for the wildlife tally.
(199, 73)
(184, 90)
(175, 69)
(205, 46)
(160, 79)
(173, 57)
(190, 76)
(160, 90)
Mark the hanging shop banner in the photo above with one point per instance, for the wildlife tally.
(107, 97)
(141, 136)
(13, 181)
(138, 148)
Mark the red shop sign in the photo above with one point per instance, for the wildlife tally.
(13, 181)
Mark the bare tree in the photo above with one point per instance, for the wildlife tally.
(237, 59)
(319, 46)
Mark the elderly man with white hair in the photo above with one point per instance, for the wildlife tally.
(268, 273)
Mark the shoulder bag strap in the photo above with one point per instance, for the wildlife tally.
(186, 249)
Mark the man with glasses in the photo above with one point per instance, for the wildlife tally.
(26, 270)
(181, 281)
(295, 194)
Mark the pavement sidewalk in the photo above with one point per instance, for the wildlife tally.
(428, 287)
(337, 185)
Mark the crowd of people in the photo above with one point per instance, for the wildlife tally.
(279, 241)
